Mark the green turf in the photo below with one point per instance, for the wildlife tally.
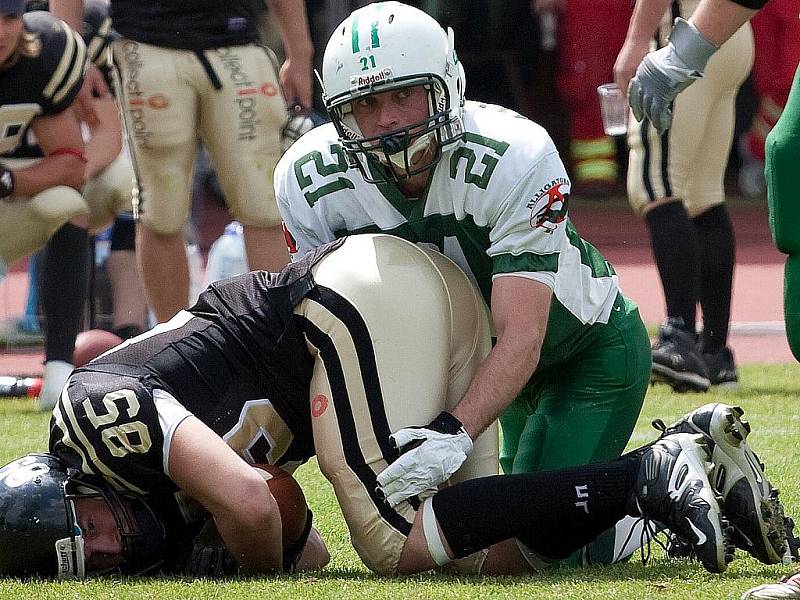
(770, 396)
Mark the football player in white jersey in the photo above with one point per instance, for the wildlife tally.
(407, 155)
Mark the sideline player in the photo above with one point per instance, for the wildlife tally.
(666, 73)
(107, 191)
(659, 79)
(361, 338)
(213, 80)
(675, 182)
(42, 62)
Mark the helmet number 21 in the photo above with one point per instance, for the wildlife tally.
(368, 62)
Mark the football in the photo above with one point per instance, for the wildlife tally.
(91, 344)
(291, 501)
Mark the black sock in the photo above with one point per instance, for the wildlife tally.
(717, 257)
(63, 286)
(553, 512)
(674, 243)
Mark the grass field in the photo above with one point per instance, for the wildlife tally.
(770, 396)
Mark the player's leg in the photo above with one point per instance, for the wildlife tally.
(130, 304)
(585, 411)
(27, 224)
(555, 512)
(160, 111)
(241, 125)
(381, 325)
(660, 168)
(705, 198)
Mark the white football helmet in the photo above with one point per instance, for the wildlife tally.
(386, 46)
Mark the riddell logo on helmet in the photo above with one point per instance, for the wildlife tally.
(360, 81)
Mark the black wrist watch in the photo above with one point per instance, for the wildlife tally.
(6, 182)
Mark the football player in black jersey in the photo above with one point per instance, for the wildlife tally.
(42, 62)
(362, 337)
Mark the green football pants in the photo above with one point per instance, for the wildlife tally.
(782, 170)
(585, 410)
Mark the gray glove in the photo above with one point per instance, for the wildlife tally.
(665, 73)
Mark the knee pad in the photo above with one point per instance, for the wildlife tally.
(791, 303)
(110, 192)
(59, 204)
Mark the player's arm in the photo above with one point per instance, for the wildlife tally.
(718, 20)
(94, 85)
(520, 309)
(645, 19)
(106, 141)
(431, 454)
(665, 73)
(69, 11)
(237, 497)
(295, 73)
(64, 160)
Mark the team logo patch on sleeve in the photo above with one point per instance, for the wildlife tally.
(549, 207)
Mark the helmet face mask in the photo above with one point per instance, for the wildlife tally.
(384, 47)
(40, 534)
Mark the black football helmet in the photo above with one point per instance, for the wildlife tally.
(95, 30)
(39, 530)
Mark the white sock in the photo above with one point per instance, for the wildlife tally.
(56, 373)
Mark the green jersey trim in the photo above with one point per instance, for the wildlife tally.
(527, 261)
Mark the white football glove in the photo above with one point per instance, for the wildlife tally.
(428, 456)
(665, 73)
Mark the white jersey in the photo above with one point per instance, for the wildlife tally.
(496, 205)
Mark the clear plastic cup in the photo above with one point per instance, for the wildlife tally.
(614, 108)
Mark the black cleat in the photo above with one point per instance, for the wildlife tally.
(749, 500)
(721, 368)
(676, 360)
(672, 488)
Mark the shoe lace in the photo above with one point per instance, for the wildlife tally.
(648, 534)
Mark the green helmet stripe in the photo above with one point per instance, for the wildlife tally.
(376, 42)
(373, 33)
(354, 33)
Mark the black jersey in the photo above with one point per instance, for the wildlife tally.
(236, 360)
(45, 78)
(187, 24)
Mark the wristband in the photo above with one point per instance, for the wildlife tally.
(7, 182)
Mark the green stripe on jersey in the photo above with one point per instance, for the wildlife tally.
(527, 261)
(590, 256)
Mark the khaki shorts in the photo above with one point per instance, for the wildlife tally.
(399, 334)
(689, 161)
(169, 100)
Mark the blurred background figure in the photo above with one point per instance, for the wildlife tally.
(675, 182)
(587, 61)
